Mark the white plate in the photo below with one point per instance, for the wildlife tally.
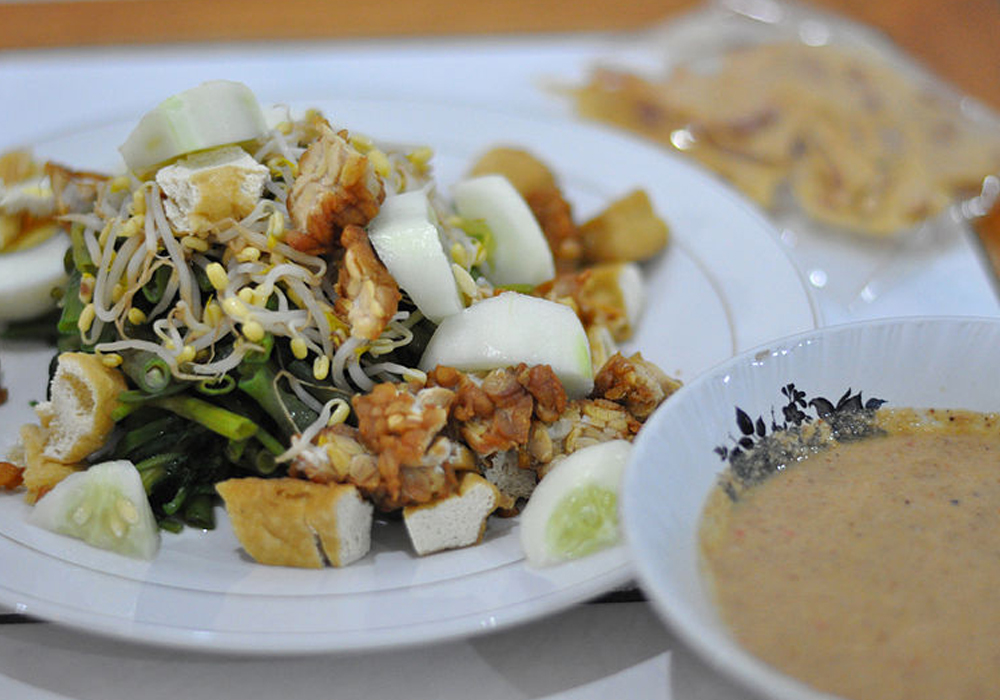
(725, 284)
(920, 363)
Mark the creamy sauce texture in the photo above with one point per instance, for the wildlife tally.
(871, 569)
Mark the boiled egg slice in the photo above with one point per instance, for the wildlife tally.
(28, 276)
(215, 113)
(31, 262)
(511, 328)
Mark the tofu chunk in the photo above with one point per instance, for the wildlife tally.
(456, 521)
(207, 188)
(293, 522)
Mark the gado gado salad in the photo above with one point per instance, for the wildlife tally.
(281, 314)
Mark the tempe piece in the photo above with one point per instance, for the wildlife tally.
(77, 418)
(367, 294)
(337, 456)
(336, 186)
(456, 521)
(496, 413)
(584, 422)
(537, 185)
(207, 188)
(403, 426)
(638, 385)
(288, 522)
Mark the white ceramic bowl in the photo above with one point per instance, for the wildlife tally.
(916, 362)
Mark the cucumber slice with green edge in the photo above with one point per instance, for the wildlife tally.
(573, 511)
(105, 506)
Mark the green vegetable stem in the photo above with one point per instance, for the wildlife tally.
(147, 370)
(215, 418)
(287, 409)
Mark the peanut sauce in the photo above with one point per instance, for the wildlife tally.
(871, 569)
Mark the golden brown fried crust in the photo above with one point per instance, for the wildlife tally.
(336, 187)
(368, 296)
(470, 400)
(595, 295)
(545, 388)
(40, 474)
(636, 384)
(509, 420)
(339, 458)
(401, 426)
(584, 422)
(400, 455)
(628, 229)
(287, 522)
(11, 476)
(861, 146)
(413, 442)
(496, 415)
(555, 217)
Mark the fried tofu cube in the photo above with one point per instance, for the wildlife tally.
(628, 230)
(206, 188)
(77, 419)
(455, 521)
(293, 522)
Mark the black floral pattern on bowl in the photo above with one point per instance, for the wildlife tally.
(765, 447)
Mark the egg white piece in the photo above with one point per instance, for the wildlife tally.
(27, 278)
(511, 328)
(405, 236)
(520, 254)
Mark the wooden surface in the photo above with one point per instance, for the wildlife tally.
(957, 39)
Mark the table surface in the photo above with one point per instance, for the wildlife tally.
(957, 39)
(67, 69)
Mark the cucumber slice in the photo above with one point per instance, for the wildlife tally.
(105, 506)
(573, 511)
(511, 328)
(520, 254)
(212, 114)
(405, 236)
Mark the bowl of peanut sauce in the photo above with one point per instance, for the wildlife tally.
(820, 517)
